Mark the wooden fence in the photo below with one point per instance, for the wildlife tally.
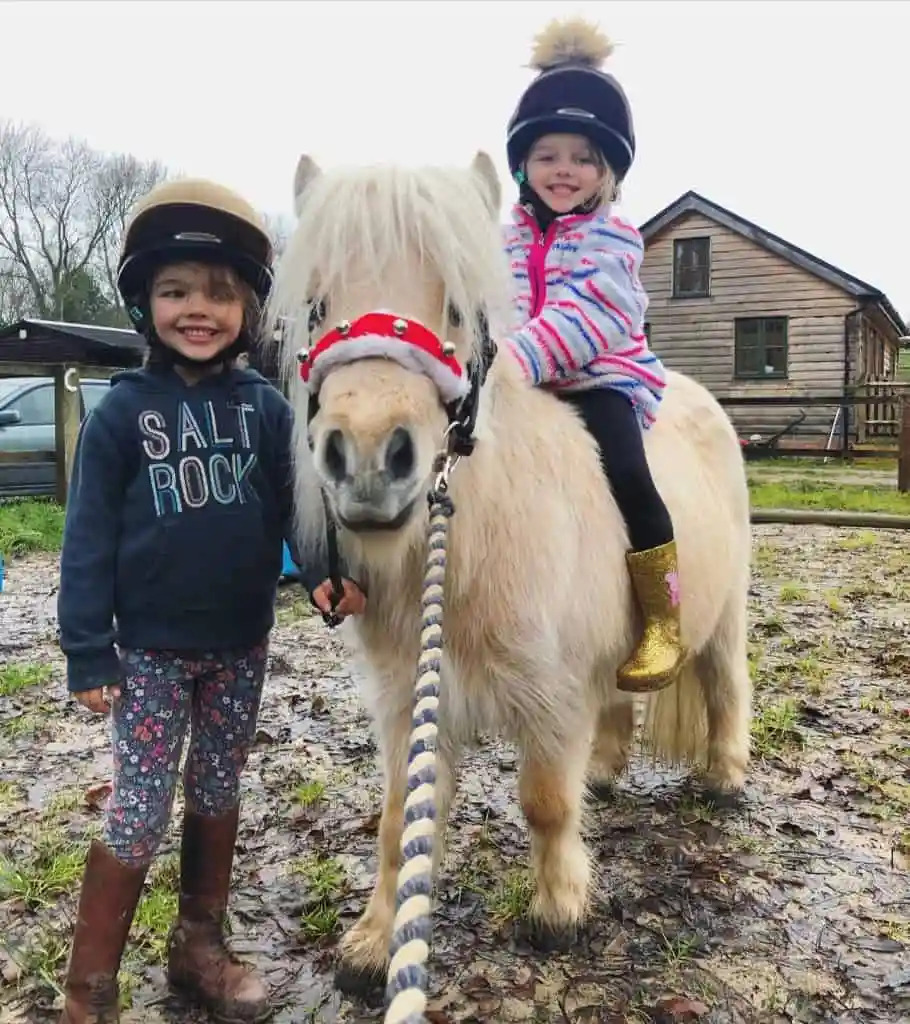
(892, 415)
(879, 417)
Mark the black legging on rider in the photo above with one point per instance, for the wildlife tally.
(611, 419)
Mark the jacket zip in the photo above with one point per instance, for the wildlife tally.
(537, 274)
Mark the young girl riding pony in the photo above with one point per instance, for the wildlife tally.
(580, 305)
(181, 498)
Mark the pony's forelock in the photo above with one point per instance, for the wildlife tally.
(375, 221)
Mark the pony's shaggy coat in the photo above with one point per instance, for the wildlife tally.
(538, 606)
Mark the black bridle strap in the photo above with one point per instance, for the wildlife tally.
(463, 414)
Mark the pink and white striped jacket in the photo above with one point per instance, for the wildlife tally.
(580, 307)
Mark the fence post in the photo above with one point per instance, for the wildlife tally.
(67, 415)
(903, 450)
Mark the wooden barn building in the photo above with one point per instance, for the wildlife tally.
(752, 316)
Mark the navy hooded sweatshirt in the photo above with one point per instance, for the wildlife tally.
(180, 498)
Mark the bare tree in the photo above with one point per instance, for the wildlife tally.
(62, 211)
(123, 180)
(280, 229)
(15, 294)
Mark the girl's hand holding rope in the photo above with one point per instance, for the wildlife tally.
(353, 600)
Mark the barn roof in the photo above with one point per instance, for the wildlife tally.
(692, 202)
(53, 341)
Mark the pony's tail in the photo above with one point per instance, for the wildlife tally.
(675, 724)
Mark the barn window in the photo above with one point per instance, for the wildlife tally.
(691, 268)
(760, 349)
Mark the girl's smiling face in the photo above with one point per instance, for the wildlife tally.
(564, 171)
(197, 310)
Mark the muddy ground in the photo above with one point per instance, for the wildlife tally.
(792, 908)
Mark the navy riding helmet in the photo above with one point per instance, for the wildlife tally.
(574, 96)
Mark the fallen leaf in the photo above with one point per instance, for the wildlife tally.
(678, 1010)
(96, 795)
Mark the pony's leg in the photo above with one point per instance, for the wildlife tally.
(612, 741)
(551, 788)
(365, 947)
(723, 671)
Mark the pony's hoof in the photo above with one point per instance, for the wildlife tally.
(365, 983)
(546, 938)
(602, 790)
(724, 799)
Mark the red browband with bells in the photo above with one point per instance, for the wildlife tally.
(386, 335)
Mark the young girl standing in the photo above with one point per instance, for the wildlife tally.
(580, 305)
(181, 498)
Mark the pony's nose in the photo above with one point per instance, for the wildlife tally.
(400, 457)
(334, 456)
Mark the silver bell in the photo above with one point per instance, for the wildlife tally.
(399, 326)
(448, 348)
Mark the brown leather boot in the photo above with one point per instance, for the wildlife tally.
(200, 964)
(110, 892)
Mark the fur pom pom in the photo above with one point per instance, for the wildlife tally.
(573, 41)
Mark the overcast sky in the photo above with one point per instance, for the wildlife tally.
(794, 115)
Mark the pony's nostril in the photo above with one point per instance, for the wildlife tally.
(333, 455)
(399, 454)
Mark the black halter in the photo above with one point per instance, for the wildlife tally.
(462, 416)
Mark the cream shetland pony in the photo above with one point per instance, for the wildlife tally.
(538, 607)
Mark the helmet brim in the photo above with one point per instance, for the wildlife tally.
(136, 271)
(615, 148)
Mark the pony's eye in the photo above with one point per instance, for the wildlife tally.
(455, 319)
(317, 315)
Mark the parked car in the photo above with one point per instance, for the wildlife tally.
(27, 424)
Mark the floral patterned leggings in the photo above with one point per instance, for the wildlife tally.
(162, 693)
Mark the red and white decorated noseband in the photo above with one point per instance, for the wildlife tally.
(385, 335)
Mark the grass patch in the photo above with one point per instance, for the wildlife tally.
(792, 592)
(30, 524)
(10, 794)
(325, 879)
(783, 465)
(52, 868)
(511, 899)
(14, 678)
(834, 498)
(45, 958)
(891, 797)
(157, 911)
(774, 730)
(861, 541)
(308, 794)
(292, 605)
(27, 725)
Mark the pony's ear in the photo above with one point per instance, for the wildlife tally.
(307, 171)
(482, 165)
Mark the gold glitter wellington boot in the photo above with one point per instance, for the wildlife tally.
(657, 660)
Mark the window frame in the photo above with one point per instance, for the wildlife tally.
(760, 345)
(679, 245)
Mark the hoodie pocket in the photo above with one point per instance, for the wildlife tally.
(217, 559)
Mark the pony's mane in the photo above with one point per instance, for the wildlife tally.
(377, 220)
